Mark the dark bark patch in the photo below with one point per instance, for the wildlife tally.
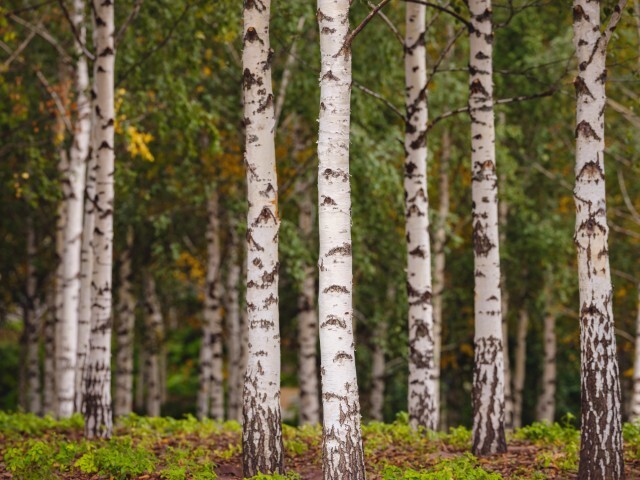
(345, 250)
(586, 130)
(336, 289)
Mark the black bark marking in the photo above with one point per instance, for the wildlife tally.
(586, 130)
(345, 250)
(336, 289)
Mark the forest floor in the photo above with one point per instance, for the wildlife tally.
(169, 449)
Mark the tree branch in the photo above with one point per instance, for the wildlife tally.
(389, 23)
(359, 28)
(286, 73)
(76, 35)
(135, 10)
(455, 15)
(43, 33)
(613, 21)
(373, 94)
(444, 53)
(627, 200)
(19, 50)
(56, 99)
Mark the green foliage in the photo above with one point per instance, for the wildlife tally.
(448, 469)
(118, 458)
(275, 476)
(459, 437)
(554, 433)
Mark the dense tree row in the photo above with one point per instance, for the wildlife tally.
(162, 201)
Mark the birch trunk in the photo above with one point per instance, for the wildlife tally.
(154, 341)
(546, 408)
(262, 449)
(601, 432)
(488, 374)
(67, 329)
(31, 328)
(519, 368)
(503, 213)
(49, 330)
(234, 333)
(635, 397)
(440, 258)
(378, 373)
(86, 272)
(342, 450)
(97, 379)
(307, 323)
(422, 401)
(126, 317)
(211, 393)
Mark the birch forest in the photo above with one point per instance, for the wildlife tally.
(330, 239)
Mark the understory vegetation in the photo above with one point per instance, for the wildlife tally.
(165, 448)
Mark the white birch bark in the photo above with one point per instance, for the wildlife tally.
(140, 380)
(262, 448)
(31, 328)
(48, 384)
(67, 328)
(307, 322)
(546, 407)
(126, 317)
(520, 367)
(154, 339)
(488, 374)
(422, 401)
(601, 448)
(234, 333)
(601, 432)
(97, 379)
(635, 395)
(342, 450)
(378, 366)
(439, 263)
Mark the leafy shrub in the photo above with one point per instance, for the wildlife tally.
(464, 467)
(35, 459)
(458, 437)
(117, 458)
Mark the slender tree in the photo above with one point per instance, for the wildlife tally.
(154, 340)
(262, 449)
(422, 401)
(342, 450)
(211, 393)
(125, 318)
(519, 367)
(31, 328)
(234, 333)
(378, 373)
(488, 374)
(601, 432)
(307, 322)
(635, 396)
(546, 407)
(97, 377)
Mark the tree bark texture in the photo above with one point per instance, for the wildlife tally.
(308, 324)
(546, 408)
(378, 373)
(153, 343)
(33, 400)
(601, 432)
(126, 318)
(488, 374)
(519, 367)
(439, 263)
(422, 401)
(97, 380)
(342, 450)
(262, 449)
(635, 396)
(48, 384)
(234, 332)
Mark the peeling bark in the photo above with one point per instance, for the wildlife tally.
(546, 408)
(97, 379)
(154, 339)
(519, 367)
(488, 374)
(601, 432)
(422, 397)
(342, 450)
(126, 317)
(262, 449)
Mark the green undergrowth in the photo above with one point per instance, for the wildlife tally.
(174, 449)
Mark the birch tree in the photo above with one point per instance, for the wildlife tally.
(488, 374)
(376, 397)
(97, 378)
(546, 407)
(32, 327)
(67, 328)
(126, 317)
(154, 339)
(601, 432)
(307, 323)
(234, 333)
(342, 451)
(262, 449)
(422, 401)
(635, 396)
(519, 367)
(211, 393)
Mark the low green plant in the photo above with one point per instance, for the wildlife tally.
(117, 458)
(462, 467)
(275, 476)
(458, 437)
